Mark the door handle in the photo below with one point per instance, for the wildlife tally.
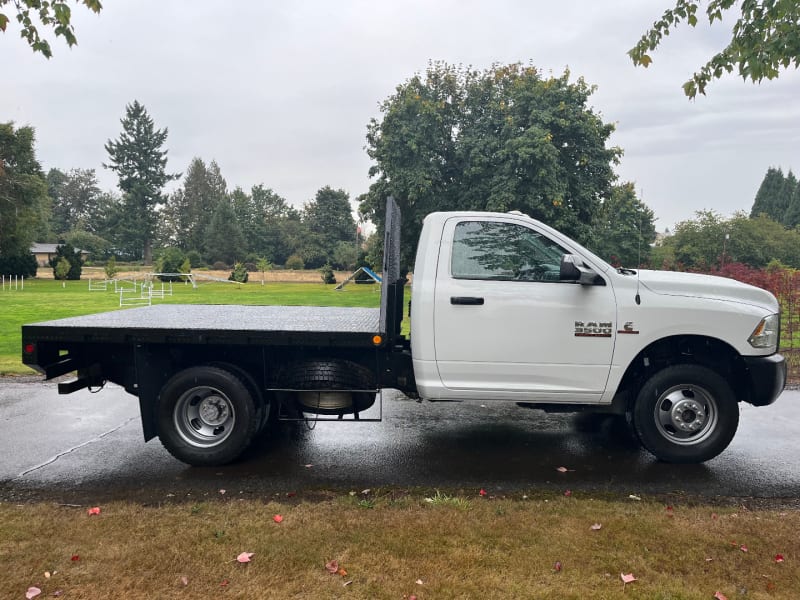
(468, 300)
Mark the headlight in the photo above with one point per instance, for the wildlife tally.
(765, 335)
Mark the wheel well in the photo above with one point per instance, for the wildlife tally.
(685, 349)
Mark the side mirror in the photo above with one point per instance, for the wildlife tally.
(572, 268)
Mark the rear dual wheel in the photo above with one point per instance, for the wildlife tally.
(207, 416)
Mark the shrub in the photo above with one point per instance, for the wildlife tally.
(195, 260)
(169, 260)
(111, 268)
(21, 266)
(220, 266)
(294, 262)
(73, 257)
(239, 273)
(326, 273)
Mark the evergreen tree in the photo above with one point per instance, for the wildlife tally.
(224, 241)
(67, 253)
(23, 192)
(769, 196)
(792, 216)
(76, 200)
(137, 158)
(787, 194)
(329, 219)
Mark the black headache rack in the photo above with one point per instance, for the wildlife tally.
(109, 346)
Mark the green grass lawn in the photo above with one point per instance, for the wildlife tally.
(46, 299)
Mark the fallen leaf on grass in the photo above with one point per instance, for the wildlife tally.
(277, 518)
(223, 492)
(185, 580)
(779, 558)
(224, 583)
(627, 578)
(291, 494)
(366, 492)
(75, 558)
(568, 493)
(47, 575)
(93, 511)
(332, 566)
(634, 497)
(58, 593)
(558, 566)
(720, 596)
(596, 527)
(32, 592)
(562, 469)
(412, 597)
(670, 512)
(482, 492)
(341, 572)
(743, 548)
(245, 557)
(419, 582)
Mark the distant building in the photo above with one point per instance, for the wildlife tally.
(44, 252)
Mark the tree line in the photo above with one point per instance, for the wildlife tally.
(770, 233)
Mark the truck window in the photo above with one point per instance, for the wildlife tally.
(503, 251)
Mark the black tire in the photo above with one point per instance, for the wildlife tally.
(206, 416)
(686, 414)
(332, 374)
(261, 398)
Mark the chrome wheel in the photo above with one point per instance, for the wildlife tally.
(204, 417)
(686, 414)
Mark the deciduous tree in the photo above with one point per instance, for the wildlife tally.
(624, 228)
(23, 192)
(50, 14)
(765, 39)
(506, 138)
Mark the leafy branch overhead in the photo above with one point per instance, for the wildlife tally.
(765, 39)
(54, 14)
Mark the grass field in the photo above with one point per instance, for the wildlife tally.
(395, 545)
(46, 299)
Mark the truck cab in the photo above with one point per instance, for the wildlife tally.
(506, 308)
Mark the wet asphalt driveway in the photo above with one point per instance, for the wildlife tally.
(88, 448)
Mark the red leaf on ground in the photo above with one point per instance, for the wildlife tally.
(185, 580)
(412, 597)
(93, 511)
(629, 578)
(75, 558)
(568, 493)
(332, 566)
(245, 557)
(720, 596)
(224, 583)
(482, 492)
(779, 558)
(341, 572)
(670, 512)
(32, 592)
(277, 518)
(291, 494)
(714, 516)
(743, 548)
(558, 566)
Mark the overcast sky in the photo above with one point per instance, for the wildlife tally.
(280, 93)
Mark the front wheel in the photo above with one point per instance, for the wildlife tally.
(686, 414)
(206, 416)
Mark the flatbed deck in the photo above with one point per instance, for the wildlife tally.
(210, 324)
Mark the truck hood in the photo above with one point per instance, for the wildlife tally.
(671, 283)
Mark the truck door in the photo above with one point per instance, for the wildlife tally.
(505, 327)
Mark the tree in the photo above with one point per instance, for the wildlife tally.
(765, 40)
(76, 200)
(137, 158)
(111, 268)
(710, 240)
(770, 199)
(329, 219)
(224, 241)
(67, 253)
(624, 228)
(61, 269)
(23, 193)
(55, 14)
(792, 216)
(263, 265)
(501, 139)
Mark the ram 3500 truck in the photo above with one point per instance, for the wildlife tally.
(505, 309)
